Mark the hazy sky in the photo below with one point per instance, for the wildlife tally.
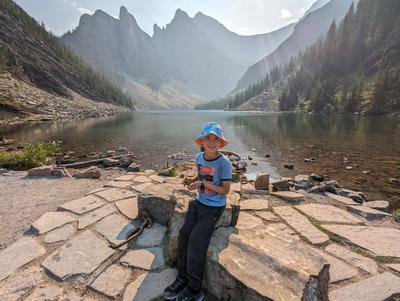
(241, 16)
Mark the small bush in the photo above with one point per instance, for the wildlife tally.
(31, 156)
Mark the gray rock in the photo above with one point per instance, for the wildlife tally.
(43, 171)
(301, 225)
(149, 286)
(125, 162)
(115, 194)
(262, 182)
(302, 182)
(152, 237)
(13, 288)
(18, 254)
(280, 185)
(355, 196)
(78, 257)
(92, 172)
(83, 205)
(328, 213)
(379, 287)
(60, 173)
(94, 216)
(115, 228)
(50, 221)
(133, 167)
(111, 282)
(341, 199)
(146, 259)
(377, 240)
(252, 265)
(60, 234)
(368, 213)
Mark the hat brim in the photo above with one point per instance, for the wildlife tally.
(222, 142)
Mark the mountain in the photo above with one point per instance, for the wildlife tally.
(30, 54)
(305, 33)
(355, 68)
(243, 49)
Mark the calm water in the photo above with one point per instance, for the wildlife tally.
(366, 143)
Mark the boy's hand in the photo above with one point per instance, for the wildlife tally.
(188, 181)
(195, 185)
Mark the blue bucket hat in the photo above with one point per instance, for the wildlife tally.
(212, 128)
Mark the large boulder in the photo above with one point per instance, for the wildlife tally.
(42, 171)
(262, 182)
(253, 265)
(125, 161)
(92, 172)
(280, 185)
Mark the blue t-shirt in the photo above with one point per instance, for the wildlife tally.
(215, 171)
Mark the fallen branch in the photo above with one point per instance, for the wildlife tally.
(92, 162)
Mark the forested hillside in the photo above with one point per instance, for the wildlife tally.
(37, 57)
(355, 68)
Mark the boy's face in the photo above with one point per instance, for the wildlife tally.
(211, 143)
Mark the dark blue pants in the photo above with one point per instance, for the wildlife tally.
(193, 241)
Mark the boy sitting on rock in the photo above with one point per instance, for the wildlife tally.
(214, 172)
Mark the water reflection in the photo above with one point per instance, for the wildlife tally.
(369, 143)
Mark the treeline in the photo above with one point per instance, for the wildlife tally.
(241, 97)
(354, 68)
(67, 67)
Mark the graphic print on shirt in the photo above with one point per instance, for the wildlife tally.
(205, 173)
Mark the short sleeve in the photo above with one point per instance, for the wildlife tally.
(226, 170)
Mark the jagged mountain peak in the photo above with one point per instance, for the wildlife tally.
(181, 15)
(125, 16)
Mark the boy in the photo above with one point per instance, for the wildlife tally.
(214, 172)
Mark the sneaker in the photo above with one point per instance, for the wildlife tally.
(172, 291)
(185, 295)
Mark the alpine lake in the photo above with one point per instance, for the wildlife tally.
(361, 152)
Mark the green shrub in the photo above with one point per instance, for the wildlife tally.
(31, 156)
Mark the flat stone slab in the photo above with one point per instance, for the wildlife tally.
(20, 284)
(78, 257)
(157, 179)
(146, 259)
(18, 254)
(394, 267)
(379, 287)
(339, 271)
(328, 213)
(248, 221)
(281, 231)
(267, 216)
(141, 187)
(378, 205)
(341, 199)
(149, 286)
(128, 207)
(115, 194)
(368, 213)
(118, 184)
(115, 228)
(301, 225)
(254, 204)
(152, 237)
(83, 205)
(289, 196)
(125, 178)
(142, 179)
(254, 265)
(94, 216)
(362, 262)
(51, 220)
(111, 282)
(50, 292)
(378, 241)
(60, 234)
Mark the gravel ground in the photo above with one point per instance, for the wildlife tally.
(23, 200)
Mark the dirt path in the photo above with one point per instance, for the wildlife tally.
(23, 200)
